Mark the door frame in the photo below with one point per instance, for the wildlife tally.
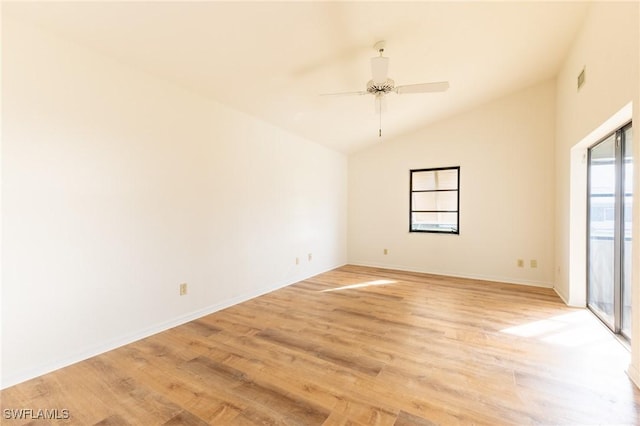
(619, 237)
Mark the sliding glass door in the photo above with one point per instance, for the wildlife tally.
(625, 292)
(609, 230)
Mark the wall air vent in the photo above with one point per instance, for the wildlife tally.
(581, 78)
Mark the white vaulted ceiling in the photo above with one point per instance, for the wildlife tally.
(273, 59)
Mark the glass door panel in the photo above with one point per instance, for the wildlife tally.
(625, 313)
(610, 198)
(601, 228)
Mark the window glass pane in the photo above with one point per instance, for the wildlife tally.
(442, 222)
(430, 180)
(423, 201)
(423, 181)
(447, 179)
(435, 200)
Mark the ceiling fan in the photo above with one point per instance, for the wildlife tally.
(381, 85)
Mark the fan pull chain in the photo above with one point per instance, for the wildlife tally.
(380, 117)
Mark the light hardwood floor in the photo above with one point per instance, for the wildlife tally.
(358, 346)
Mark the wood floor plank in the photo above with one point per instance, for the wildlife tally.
(113, 420)
(185, 418)
(359, 363)
(407, 419)
(357, 346)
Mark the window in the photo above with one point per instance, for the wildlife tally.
(434, 200)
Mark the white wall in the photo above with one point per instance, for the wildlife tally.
(608, 48)
(505, 151)
(117, 187)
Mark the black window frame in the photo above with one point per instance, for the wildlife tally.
(455, 231)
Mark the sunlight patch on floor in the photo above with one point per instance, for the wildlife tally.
(360, 285)
(569, 330)
(534, 329)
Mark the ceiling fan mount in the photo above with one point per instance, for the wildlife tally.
(380, 46)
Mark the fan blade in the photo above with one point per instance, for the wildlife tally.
(440, 86)
(379, 69)
(344, 93)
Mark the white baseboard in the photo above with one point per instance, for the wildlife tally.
(455, 274)
(22, 376)
(634, 375)
(561, 296)
(566, 301)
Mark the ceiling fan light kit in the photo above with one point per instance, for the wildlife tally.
(380, 84)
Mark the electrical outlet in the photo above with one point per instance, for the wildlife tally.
(310, 257)
(385, 251)
(297, 260)
(183, 289)
(533, 263)
(520, 263)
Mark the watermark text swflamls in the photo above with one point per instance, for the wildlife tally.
(36, 414)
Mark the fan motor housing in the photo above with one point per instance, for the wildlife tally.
(377, 88)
